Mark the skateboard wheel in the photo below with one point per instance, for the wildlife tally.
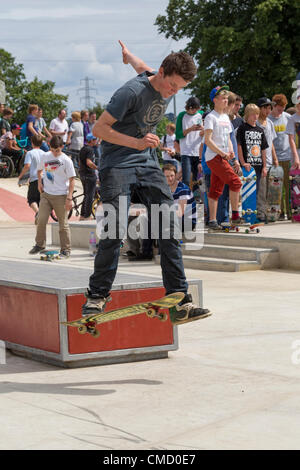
(247, 230)
(257, 230)
(237, 229)
(163, 317)
(82, 329)
(95, 333)
(151, 312)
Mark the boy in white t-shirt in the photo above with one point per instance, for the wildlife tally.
(189, 131)
(167, 145)
(217, 129)
(56, 189)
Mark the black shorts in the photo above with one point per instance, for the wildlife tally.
(33, 194)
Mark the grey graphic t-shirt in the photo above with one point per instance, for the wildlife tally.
(138, 108)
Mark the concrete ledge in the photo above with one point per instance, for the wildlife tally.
(36, 302)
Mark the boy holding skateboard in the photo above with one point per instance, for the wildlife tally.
(129, 164)
(252, 145)
(56, 189)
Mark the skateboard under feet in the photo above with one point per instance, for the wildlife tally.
(151, 309)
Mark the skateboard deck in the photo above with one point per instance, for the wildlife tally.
(243, 228)
(295, 194)
(24, 180)
(274, 190)
(49, 255)
(248, 194)
(151, 309)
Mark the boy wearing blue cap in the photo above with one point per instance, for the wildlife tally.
(217, 129)
(88, 175)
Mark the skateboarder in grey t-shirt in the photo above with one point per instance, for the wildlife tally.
(129, 164)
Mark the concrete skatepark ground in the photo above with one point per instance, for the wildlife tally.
(233, 384)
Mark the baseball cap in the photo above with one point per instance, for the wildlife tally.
(15, 126)
(264, 101)
(215, 91)
(90, 137)
(193, 102)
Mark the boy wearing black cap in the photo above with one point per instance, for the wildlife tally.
(217, 129)
(265, 108)
(189, 125)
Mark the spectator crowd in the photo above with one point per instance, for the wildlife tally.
(202, 156)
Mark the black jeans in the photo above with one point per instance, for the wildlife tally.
(89, 188)
(117, 186)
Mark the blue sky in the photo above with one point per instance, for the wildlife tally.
(65, 41)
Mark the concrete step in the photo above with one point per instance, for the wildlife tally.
(219, 264)
(235, 239)
(206, 263)
(264, 256)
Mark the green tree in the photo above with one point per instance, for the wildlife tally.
(21, 93)
(98, 109)
(252, 46)
(42, 94)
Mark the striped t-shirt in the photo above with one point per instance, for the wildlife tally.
(183, 192)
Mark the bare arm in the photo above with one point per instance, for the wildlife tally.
(264, 171)
(25, 169)
(32, 129)
(91, 164)
(138, 64)
(69, 201)
(40, 183)
(274, 156)
(103, 129)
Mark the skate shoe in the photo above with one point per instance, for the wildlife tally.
(94, 304)
(186, 311)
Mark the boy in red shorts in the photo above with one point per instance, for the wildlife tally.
(217, 129)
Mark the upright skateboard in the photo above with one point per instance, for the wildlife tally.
(295, 194)
(249, 196)
(151, 309)
(274, 190)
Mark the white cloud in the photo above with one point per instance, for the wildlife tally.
(67, 43)
(23, 14)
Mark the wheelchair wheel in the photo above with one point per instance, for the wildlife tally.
(7, 166)
(54, 216)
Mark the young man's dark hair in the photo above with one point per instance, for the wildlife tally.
(180, 63)
(56, 141)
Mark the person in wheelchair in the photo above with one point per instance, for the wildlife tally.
(9, 146)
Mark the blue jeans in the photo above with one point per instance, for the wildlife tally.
(189, 165)
(151, 187)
